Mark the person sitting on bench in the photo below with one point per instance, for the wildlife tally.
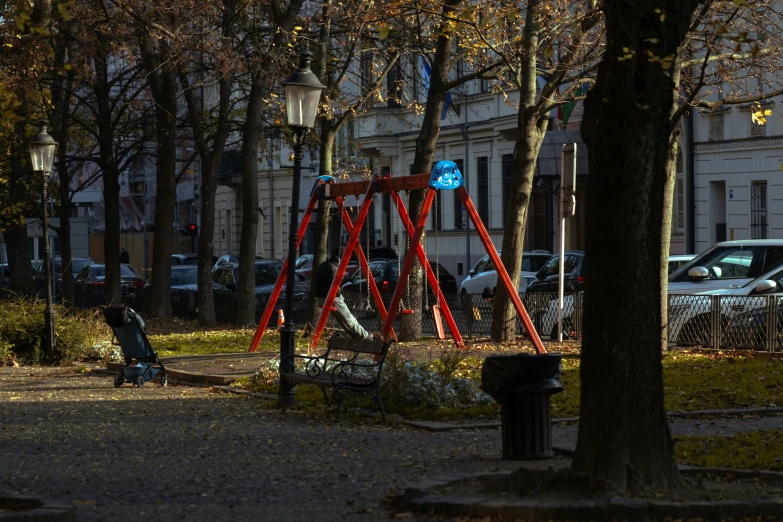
(322, 279)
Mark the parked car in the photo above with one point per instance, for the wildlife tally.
(183, 288)
(548, 278)
(226, 289)
(39, 280)
(89, 285)
(690, 316)
(727, 264)
(304, 266)
(184, 259)
(748, 329)
(230, 259)
(676, 261)
(484, 275)
(77, 263)
(373, 254)
(386, 274)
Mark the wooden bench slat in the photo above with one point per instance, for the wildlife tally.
(370, 346)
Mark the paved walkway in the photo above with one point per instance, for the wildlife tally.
(185, 452)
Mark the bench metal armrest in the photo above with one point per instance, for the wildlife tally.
(314, 365)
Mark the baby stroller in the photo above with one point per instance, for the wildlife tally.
(130, 332)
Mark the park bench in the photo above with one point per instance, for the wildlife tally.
(340, 369)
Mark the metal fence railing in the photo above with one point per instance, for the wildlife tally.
(473, 316)
(718, 322)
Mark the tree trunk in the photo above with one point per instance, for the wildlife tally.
(623, 433)
(111, 237)
(163, 83)
(14, 232)
(251, 133)
(528, 145)
(410, 324)
(322, 217)
(61, 101)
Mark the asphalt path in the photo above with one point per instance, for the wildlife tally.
(192, 453)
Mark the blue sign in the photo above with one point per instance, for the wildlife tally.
(446, 176)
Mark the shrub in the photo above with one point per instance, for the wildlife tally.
(22, 332)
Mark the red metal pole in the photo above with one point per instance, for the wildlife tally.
(353, 239)
(270, 305)
(434, 283)
(363, 264)
(501, 269)
(408, 264)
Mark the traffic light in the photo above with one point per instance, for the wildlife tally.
(192, 229)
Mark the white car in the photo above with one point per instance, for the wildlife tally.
(690, 316)
(676, 261)
(727, 264)
(483, 274)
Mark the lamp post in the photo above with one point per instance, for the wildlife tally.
(42, 147)
(302, 93)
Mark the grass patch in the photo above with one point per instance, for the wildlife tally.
(757, 450)
(188, 338)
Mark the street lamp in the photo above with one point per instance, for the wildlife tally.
(302, 93)
(42, 147)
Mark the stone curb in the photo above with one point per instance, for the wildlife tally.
(420, 497)
(32, 509)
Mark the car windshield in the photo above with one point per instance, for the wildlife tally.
(191, 261)
(78, 264)
(552, 267)
(184, 277)
(266, 273)
(533, 263)
(301, 262)
(125, 271)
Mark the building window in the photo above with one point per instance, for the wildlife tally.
(716, 127)
(484, 86)
(394, 86)
(758, 210)
(678, 204)
(507, 160)
(482, 170)
(458, 202)
(366, 77)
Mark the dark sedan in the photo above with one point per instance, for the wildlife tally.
(89, 285)
(548, 278)
(386, 274)
(184, 291)
(226, 289)
(749, 329)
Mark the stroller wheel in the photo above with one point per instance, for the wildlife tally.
(118, 381)
(139, 381)
(164, 379)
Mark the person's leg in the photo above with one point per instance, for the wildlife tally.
(348, 321)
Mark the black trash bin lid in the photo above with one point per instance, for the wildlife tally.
(521, 373)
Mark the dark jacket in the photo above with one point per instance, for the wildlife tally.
(324, 275)
(125, 257)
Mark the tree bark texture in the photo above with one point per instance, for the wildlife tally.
(163, 85)
(410, 324)
(623, 433)
(111, 185)
(14, 231)
(531, 125)
(62, 87)
(528, 145)
(251, 133)
(322, 217)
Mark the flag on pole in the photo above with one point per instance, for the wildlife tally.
(446, 104)
(426, 73)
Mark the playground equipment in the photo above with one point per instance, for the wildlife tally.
(445, 176)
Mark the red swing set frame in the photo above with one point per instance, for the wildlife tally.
(392, 186)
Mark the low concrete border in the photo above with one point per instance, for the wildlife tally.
(32, 509)
(422, 497)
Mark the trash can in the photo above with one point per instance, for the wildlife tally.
(523, 385)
